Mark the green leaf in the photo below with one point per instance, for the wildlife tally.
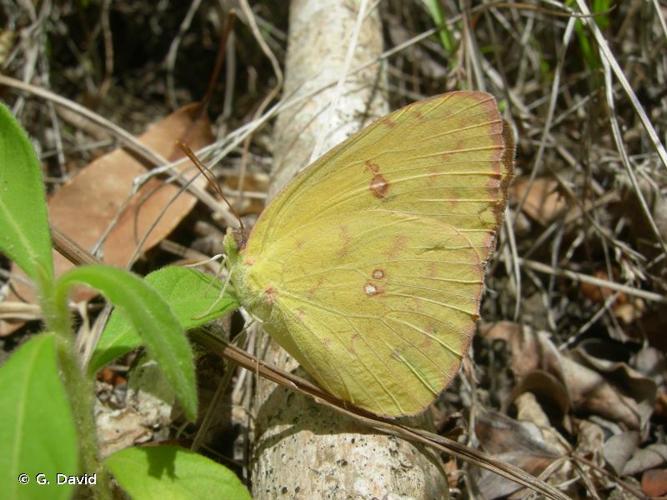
(151, 317)
(438, 15)
(600, 9)
(194, 297)
(169, 472)
(24, 228)
(37, 431)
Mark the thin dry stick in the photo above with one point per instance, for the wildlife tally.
(220, 59)
(623, 484)
(553, 99)
(618, 139)
(584, 278)
(108, 49)
(220, 150)
(127, 139)
(661, 19)
(170, 61)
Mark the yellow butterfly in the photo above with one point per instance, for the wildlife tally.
(368, 267)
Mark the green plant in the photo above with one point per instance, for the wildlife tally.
(587, 45)
(47, 429)
(444, 35)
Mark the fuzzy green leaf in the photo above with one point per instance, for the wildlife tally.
(169, 472)
(24, 228)
(151, 317)
(37, 431)
(194, 297)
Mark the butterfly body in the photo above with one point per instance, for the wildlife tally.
(368, 268)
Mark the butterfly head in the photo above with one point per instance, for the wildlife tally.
(251, 295)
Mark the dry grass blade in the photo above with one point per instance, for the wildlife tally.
(608, 54)
(543, 268)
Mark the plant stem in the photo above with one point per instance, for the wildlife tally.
(79, 387)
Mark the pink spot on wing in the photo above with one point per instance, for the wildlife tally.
(371, 289)
(388, 122)
(379, 186)
(372, 167)
(270, 294)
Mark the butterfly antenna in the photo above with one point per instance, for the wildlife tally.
(211, 180)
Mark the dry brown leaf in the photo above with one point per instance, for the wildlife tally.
(120, 429)
(590, 440)
(628, 382)
(619, 448)
(652, 456)
(622, 394)
(529, 409)
(654, 482)
(83, 208)
(519, 443)
(544, 202)
(530, 351)
(252, 183)
(550, 390)
(599, 294)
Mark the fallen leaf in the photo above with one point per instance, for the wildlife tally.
(551, 392)
(654, 482)
(84, 208)
(629, 382)
(599, 294)
(255, 187)
(654, 455)
(622, 395)
(543, 203)
(518, 443)
(618, 449)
